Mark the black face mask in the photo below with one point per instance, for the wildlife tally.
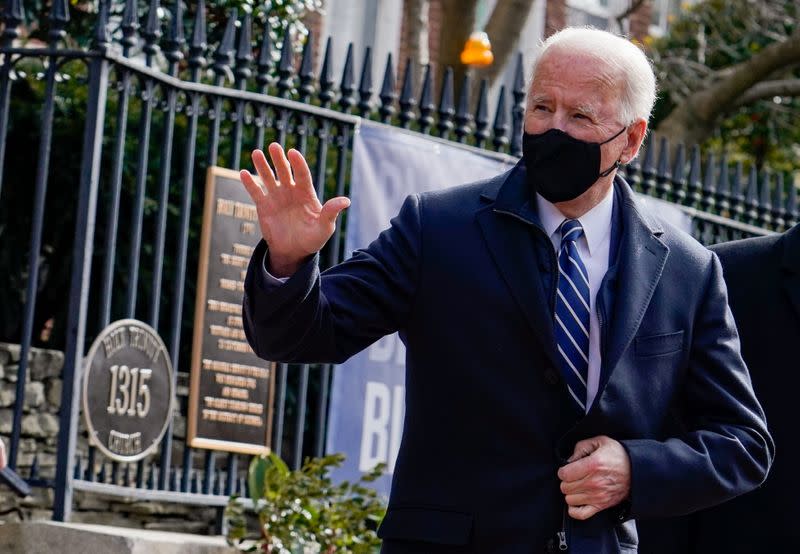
(561, 167)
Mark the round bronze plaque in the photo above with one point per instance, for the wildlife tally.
(127, 390)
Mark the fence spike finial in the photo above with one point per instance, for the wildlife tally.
(463, 117)
(244, 51)
(365, 85)
(679, 176)
(129, 26)
(175, 39)
(348, 85)
(518, 109)
(707, 200)
(737, 198)
(482, 115)
(723, 195)
(13, 17)
(778, 213)
(426, 106)
(446, 110)
(199, 40)
(59, 17)
(388, 94)
(152, 32)
(751, 196)
(662, 174)
(307, 69)
(407, 100)
(101, 37)
(286, 66)
(223, 57)
(791, 205)
(765, 200)
(326, 81)
(264, 63)
(500, 127)
(694, 182)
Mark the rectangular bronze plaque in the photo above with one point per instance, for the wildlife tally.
(231, 396)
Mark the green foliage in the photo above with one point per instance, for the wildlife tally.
(705, 40)
(303, 510)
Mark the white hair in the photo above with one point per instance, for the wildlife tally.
(633, 69)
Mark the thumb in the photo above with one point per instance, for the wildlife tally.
(333, 207)
(584, 448)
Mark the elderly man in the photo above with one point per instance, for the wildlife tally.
(553, 330)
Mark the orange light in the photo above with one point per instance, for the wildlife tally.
(478, 50)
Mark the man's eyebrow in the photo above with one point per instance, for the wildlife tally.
(537, 99)
(586, 109)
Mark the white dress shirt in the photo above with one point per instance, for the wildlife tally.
(593, 247)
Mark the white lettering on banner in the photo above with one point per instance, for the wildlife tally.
(382, 425)
(386, 347)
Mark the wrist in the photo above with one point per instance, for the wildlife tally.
(282, 266)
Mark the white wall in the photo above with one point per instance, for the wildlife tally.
(373, 23)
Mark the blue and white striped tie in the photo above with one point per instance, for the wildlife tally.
(572, 313)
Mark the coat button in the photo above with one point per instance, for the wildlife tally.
(551, 376)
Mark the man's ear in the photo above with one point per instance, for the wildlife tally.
(635, 135)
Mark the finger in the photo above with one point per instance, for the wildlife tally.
(333, 207)
(573, 487)
(281, 164)
(264, 170)
(581, 499)
(582, 512)
(302, 174)
(253, 188)
(584, 448)
(577, 470)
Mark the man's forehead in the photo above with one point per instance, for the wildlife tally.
(575, 68)
(582, 79)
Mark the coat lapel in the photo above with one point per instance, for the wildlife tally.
(508, 226)
(791, 266)
(641, 261)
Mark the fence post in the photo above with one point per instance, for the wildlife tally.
(81, 269)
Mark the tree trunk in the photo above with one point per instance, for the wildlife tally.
(415, 38)
(458, 22)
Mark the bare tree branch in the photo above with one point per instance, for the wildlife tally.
(769, 89)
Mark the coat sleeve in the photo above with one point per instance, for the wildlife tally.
(726, 450)
(327, 317)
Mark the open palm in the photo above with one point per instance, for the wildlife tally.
(293, 221)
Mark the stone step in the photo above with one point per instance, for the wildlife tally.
(46, 537)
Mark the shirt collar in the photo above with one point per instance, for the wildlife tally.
(596, 222)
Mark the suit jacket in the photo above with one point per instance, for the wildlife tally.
(763, 277)
(488, 420)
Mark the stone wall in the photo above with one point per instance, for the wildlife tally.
(39, 438)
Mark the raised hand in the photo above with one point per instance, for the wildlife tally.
(293, 222)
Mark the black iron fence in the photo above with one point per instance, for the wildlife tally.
(109, 229)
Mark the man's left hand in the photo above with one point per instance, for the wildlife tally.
(597, 476)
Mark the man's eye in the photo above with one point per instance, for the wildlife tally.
(580, 116)
(540, 107)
